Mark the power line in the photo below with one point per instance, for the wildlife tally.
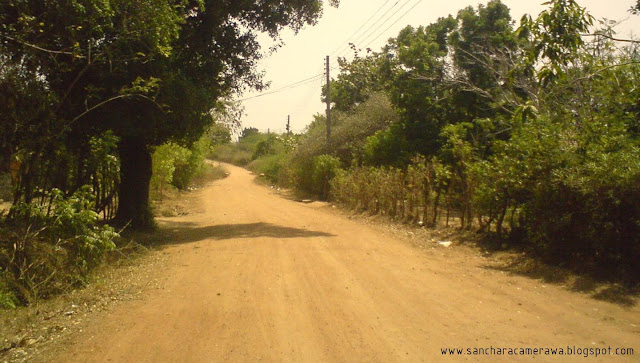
(309, 95)
(284, 88)
(320, 75)
(386, 20)
(366, 32)
(394, 23)
(361, 26)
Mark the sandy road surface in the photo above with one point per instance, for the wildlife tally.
(255, 277)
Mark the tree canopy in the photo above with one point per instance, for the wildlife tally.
(148, 71)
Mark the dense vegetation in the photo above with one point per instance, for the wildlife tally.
(89, 90)
(529, 134)
(145, 72)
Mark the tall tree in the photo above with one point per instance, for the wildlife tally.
(150, 71)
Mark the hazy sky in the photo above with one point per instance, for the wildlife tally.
(368, 24)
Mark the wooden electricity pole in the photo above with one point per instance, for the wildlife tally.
(288, 125)
(328, 101)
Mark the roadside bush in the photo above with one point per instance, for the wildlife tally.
(230, 153)
(192, 165)
(386, 147)
(47, 249)
(165, 158)
(264, 147)
(587, 213)
(251, 146)
(176, 165)
(325, 168)
(273, 167)
(349, 132)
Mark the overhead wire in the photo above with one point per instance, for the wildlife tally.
(394, 23)
(386, 20)
(284, 88)
(346, 42)
(317, 84)
(366, 32)
(359, 37)
(377, 24)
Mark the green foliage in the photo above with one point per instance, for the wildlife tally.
(357, 81)
(264, 147)
(150, 72)
(186, 170)
(219, 135)
(47, 249)
(232, 154)
(253, 146)
(349, 132)
(325, 168)
(556, 37)
(536, 133)
(273, 166)
(8, 299)
(386, 147)
(177, 165)
(247, 132)
(165, 158)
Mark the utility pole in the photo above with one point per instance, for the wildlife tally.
(328, 101)
(288, 125)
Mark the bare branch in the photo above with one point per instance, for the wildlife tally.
(40, 48)
(111, 100)
(612, 38)
(604, 69)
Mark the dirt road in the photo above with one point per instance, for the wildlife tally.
(253, 276)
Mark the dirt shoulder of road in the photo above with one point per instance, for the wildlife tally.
(505, 260)
(26, 331)
(128, 272)
(470, 243)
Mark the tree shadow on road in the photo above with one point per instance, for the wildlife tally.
(626, 296)
(177, 232)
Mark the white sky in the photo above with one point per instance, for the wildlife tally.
(303, 55)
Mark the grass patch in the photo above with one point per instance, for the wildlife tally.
(173, 202)
(230, 153)
(127, 270)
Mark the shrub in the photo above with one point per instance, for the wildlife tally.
(45, 249)
(272, 166)
(165, 158)
(325, 168)
(386, 147)
(230, 153)
(264, 147)
(248, 148)
(190, 167)
(176, 165)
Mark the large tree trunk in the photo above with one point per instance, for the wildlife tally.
(135, 176)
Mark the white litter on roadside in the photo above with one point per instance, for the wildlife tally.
(445, 243)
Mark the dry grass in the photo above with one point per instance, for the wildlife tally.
(27, 330)
(128, 271)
